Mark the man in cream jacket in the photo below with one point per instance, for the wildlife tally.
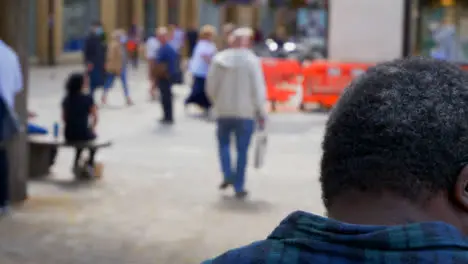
(236, 88)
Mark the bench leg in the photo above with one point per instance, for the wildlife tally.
(39, 160)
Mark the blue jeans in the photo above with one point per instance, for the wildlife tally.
(96, 78)
(110, 81)
(242, 129)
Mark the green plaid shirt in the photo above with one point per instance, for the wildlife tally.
(303, 238)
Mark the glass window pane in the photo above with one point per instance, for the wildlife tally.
(78, 15)
(151, 19)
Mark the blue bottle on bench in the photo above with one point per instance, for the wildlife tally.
(56, 130)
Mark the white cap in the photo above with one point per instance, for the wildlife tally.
(162, 31)
(244, 32)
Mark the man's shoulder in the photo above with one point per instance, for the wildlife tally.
(8, 52)
(168, 48)
(257, 252)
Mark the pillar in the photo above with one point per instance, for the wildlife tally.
(184, 13)
(161, 9)
(58, 28)
(14, 31)
(123, 13)
(138, 12)
(245, 16)
(44, 21)
(42, 25)
(108, 11)
(193, 8)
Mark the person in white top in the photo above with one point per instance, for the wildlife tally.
(11, 83)
(199, 65)
(152, 47)
(236, 87)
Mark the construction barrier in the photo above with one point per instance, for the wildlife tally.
(280, 75)
(324, 81)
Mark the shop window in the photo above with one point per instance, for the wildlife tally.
(151, 19)
(312, 26)
(209, 14)
(78, 15)
(450, 18)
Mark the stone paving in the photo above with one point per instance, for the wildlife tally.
(158, 202)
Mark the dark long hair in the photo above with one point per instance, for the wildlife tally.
(74, 84)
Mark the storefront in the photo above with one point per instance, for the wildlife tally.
(78, 15)
(442, 15)
(303, 20)
(151, 17)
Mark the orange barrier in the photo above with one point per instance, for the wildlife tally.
(324, 81)
(278, 74)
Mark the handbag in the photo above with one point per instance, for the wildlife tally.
(260, 148)
(160, 71)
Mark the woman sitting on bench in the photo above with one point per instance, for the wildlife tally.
(80, 116)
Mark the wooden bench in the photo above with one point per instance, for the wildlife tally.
(42, 147)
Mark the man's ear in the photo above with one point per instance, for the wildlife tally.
(461, 189)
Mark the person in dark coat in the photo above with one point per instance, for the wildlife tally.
(95, 56)
(191, 37)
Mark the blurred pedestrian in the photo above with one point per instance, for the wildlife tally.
(227, 30)
(11, 83)
(133, 43)
(199, 65)
(448, 43)
(177, 40)
(116, 66)
(95, 56)
(165, 69)
(236, 86)
(80, 117)
(280, 36)
(152, 47)
(192, 37)
(177, 37)
(258, 36)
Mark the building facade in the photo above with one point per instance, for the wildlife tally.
(58, 27)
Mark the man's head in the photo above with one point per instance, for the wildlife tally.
(401, 129)
(241, 38)
(162, 34)
(207, 32)
(96, 27)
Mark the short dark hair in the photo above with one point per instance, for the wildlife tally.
(74, 83)
(402, 127)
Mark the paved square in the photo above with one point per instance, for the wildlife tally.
(158, 202)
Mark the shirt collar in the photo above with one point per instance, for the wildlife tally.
(309, 227)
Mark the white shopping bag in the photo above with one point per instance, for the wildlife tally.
(260, 148)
